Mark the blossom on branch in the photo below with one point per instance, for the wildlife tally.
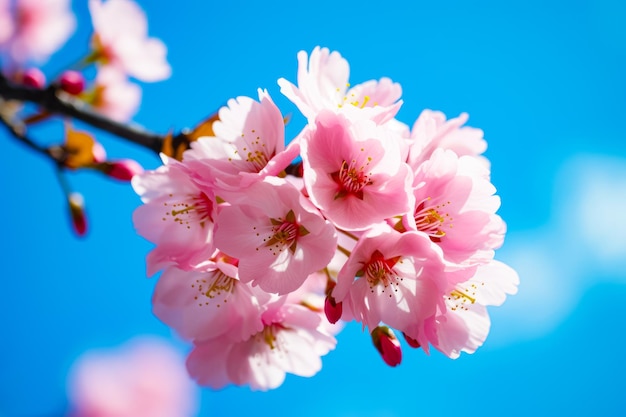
(277, 235)
(113, 95)
(390, 227)
(177, 216)
(323, 85)
(353, 171)
(292, 340)
(121, 40)
(455, 205)
(38, 29)
(248, 144)
(209, 303)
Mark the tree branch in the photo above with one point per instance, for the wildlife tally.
(53, 100)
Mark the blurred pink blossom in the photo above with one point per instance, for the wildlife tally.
(6, 22)
(121, 39)
(144, 378)
(113, 95)
(40, 27)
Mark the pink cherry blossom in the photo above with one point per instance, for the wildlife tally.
(293, 340)
(113, 95)
(395, 278)
(40, 27)
(323, 85)
(277, 235)
(6, 22)
(209, 303)
(455, 204)
(432, 131)
(249, 144)
(145, 377)
(464, 324)
(177, 216)
(353, 172)
(121, 39)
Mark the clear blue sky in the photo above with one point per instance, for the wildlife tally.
(543, 79)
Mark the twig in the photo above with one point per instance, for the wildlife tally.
(54, 101)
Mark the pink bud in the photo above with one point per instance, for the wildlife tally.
(410, 341)
(332, 309)
(33, 77)
(387, 345)
(72, 82)
(77, 212)
(123, 170)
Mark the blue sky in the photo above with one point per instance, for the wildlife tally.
(543, 79)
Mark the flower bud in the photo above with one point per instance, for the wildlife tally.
(410, 341)
(123, 170)
(332, 309)
(72, 82)
(387, 345)
(77, 212)
(33, 77)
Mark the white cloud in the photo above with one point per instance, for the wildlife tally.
(583, 244)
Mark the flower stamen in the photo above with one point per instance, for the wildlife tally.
(351, 179)
(431, 220)
(195, 210)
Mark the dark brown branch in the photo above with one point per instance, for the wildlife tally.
(18, 133)
(55, 101)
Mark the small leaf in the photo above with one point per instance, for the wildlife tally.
(205, 128)
(168, 148)
(80, 148)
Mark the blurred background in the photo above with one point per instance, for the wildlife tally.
(543, 79)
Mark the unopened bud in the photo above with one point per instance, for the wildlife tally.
(387, 345)
(72, 82)
(77, 212)
(410, 341)
(33, 77)
(332, 309)
(123, 170)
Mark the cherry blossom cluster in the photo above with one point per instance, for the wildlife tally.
(388, 225)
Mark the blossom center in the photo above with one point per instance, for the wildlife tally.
(196, 209)
(254, 151)
(213, 287)
(432, 219)
(381, 271)
(269, 335)
(285, 234)
(352, 179)
(460, 297)
(353, 99)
